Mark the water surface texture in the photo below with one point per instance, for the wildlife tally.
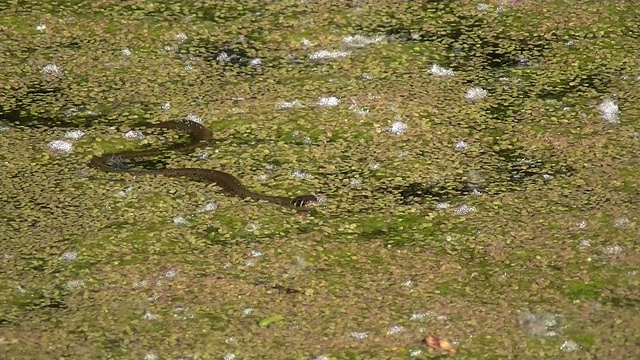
(477, 165)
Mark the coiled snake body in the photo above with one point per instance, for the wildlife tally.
(199, 136)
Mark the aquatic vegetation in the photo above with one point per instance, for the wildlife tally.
(474, 160)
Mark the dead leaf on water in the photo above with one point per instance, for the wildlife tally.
(438, 343)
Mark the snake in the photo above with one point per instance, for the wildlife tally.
(199, 136)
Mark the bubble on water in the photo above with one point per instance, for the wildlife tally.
(256, 253)
(610, 111)
(75, 284)
(229, 356)
(465, 210)
(247, 311)
(299, 175)
(251, 227)
(328, 54)
(170, 48)
(289, 104)
(179, 220)
(461, 145)
(194, 117)
(51, 70)
(358, 335)
(41, 27)
(149, 316)
(74, 134)
(181, 37)
(209, 207)
(134, 135)
(362, 111)
(151, 356)
(201, 155)
(60, 146)
(126, 52)
(69, 256)
(166, 106)
(569, 346)
(398, 127)
(255, 62)
(171, 273)
(621, 222)
(476, 93)
(180, 315)
(395, 329)
(306, 42)
(539, 324)
(328, 101)
(442, 205)
(438, 70)
(123, 193)
(612, 250)
(361, 40)
(482, 7)
(223, 56)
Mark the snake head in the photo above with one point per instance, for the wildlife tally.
(303, 200)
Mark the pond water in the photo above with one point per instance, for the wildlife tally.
(476, 164)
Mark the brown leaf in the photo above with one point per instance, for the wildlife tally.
(438, 343)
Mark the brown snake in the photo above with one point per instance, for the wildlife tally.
(199, 136)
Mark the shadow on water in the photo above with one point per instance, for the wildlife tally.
(513, 171)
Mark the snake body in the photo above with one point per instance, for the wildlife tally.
(199, 136)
